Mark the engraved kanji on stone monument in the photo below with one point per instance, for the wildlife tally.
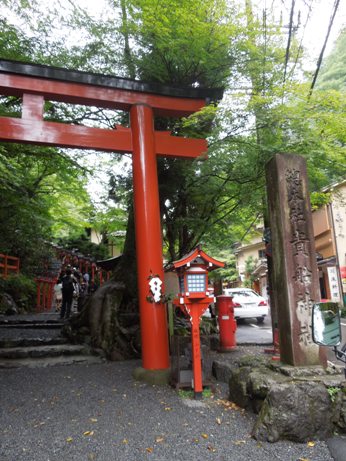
(295, 275)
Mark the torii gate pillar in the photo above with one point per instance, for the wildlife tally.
(155, 354)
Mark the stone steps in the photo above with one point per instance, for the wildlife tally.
(36, 341)
(32, 341)
(31, 323)
(53, 350)
(51, 361)
(38, 326)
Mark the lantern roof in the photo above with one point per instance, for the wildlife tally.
(197, 256)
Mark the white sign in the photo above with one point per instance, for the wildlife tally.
(334, 284)
(155, 288)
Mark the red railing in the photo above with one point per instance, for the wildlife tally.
(44, 293)
(9, 265)
(84, 264)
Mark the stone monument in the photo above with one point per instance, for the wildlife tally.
(295, 273)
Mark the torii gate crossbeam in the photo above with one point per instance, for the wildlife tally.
(36, 84)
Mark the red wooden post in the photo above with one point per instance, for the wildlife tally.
(196, 350)
(93, 272)
(50, 294)
(153, 319)
(45, 295)
(38, 294)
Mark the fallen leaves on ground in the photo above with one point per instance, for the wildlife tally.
(88, 433)
(69, 439)
(149, 449)
(125, 441)
(229, 405)
(159, 439)
(239, 442)
(205, 436)
(311, 444)
(218, 420)
(42, 423)
(93, 420)
(211, 448)
(168, 408)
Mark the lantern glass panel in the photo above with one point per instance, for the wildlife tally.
(196, 283)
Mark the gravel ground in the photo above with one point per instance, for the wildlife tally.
(99, 412)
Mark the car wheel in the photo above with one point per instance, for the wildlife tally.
(260, 320)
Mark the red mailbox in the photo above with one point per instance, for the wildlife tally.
(227, 323)
(193, 299)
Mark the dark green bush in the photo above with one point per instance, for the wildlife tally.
(22, 289)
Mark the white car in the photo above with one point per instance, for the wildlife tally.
(248, 304)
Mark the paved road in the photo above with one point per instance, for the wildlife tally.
(249, 332)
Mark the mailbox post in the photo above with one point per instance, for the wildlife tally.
(227, 323)
(193, 299)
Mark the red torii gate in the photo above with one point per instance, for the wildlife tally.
(36, 83)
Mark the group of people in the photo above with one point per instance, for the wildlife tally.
(70, 291)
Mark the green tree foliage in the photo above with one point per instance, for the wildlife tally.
(182, 42)
(228, 273)
(83, 245)
(42, 196)
(333, 73)
(43, 190)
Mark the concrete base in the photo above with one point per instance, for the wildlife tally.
(158, 377)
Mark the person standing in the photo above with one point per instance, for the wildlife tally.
(68, 282)
(57, 296)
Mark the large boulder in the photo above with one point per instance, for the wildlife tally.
(293, 403)
(296, 411)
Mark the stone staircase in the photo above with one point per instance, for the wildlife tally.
(37, 341)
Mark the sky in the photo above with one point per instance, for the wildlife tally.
(317, 26)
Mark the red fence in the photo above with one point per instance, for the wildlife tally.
(9, 265)
(44, 293)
